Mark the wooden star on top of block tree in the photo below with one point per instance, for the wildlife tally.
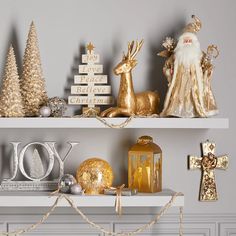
(90, 48)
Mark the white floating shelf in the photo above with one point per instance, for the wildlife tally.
(44, 199)
(178, 123)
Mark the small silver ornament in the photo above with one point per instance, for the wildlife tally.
(76, 189)
(45, 111)
(65, 182)
(57, 106)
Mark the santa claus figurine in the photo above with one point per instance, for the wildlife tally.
(189, 71)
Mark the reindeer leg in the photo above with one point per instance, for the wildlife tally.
(104, 113)
(119, 112)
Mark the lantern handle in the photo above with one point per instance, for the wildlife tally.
(143, 140)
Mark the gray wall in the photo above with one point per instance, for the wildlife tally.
(64, 27)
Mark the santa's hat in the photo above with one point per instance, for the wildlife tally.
(194, 26)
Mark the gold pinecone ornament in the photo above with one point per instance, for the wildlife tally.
(32, 82)
(11, 100)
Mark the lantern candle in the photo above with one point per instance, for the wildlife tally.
(145, 166)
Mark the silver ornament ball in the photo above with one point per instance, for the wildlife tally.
(76, 189)
(65, 182)
(45, 111)
(57, 106)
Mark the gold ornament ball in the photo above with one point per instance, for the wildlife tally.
(94, 175)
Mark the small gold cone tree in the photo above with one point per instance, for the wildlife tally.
(11, 100)
(32, 82)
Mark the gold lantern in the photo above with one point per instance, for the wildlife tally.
(145, 166)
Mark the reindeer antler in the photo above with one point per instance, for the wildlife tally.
(130, 48)
(137, 49)
(130, 54)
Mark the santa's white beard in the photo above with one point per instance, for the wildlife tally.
(188, 54)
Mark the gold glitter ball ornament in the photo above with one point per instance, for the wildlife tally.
(94, 175)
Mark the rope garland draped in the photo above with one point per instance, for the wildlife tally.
(91, 114)
(70, 201)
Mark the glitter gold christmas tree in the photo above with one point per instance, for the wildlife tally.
(32, 81)
(11, 100)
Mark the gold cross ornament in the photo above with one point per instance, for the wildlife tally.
(208, 163)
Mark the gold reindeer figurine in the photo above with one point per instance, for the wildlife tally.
(129, 103)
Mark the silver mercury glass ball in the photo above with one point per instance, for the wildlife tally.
(58, 106)
(45, 111)
(65, 182)
(76, 189)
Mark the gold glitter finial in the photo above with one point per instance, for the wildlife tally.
(90, 47)
(213, 51)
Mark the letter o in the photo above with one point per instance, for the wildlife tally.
(50, 165)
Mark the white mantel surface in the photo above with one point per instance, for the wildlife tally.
(166, 123)
(45, 199)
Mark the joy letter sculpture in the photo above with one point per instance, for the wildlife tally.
(36, 177)
(129, 103)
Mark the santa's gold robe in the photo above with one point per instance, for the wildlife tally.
(189, 93)
(208, 99)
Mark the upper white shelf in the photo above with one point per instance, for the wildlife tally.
(178, 123)
(44, 199)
